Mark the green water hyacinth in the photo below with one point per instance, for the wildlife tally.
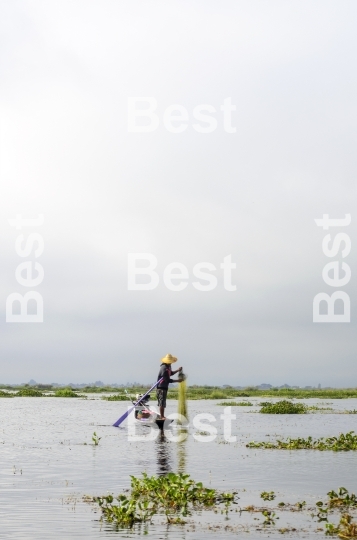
(345, 529)
(28, 392)
(342, 443)
(267, 495)
(66, 392)
(341, 498)
(173, 495)
(5, 394)
(236, 404)
(283, 407)
(117, 397)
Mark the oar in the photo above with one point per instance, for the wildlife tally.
(126, 414)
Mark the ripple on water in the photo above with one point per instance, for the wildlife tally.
(46, 468)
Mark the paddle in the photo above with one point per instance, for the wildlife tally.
(126, 414)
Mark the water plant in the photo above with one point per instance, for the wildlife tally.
(173, 495)
(284, 407)
(116, 397)
(235, 404)
(28, 392)
(227, 392)
(341, 498)
(95, 439)
(5, 394)
(267, 495)
(270, 517)
(345, 529)
(67, 392)
(342, 443)
(322, 512)
(316, 408)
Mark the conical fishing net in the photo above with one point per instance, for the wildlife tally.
(182, 399)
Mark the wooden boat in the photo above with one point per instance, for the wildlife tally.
(147, 416)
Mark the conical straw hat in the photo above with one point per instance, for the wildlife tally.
(168, 359)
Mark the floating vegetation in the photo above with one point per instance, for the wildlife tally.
(316, 408)
(95, 439)
(267, 495)
(218, 392)
(342, 443)
(235, 404)
(269, 517)
(5, 394)
(345, 529)
(29, 392)
(341, 498)
(173, 495)
(117, 397)
(283, 407)
(66, 392)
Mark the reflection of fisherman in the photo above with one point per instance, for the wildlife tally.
(165, 372)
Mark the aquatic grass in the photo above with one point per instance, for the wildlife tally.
(316, 408)
(345, 529)
(341, 498)
(217, 394)
(95, 439)
(117, 397)
(235, 404)
(267, 495)
(173, 495)
(342, 443)
(5, 394)
(227, 392)
(283, 407)
(67, 392)
(269, 517)
(28, 392)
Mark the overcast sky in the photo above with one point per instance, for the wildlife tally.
(67, 69)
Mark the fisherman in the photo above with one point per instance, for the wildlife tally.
(165, 372)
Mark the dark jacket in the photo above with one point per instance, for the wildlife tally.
(165, 371)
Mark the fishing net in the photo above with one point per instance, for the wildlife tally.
(182, 399)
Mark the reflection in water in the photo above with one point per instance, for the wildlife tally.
(181, 450)
(163, 453)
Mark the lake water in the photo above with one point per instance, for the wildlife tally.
(46, 468)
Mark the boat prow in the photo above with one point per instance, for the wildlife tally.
(161, 424)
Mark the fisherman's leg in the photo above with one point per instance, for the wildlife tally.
(163, 404)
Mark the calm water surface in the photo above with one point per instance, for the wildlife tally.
(46, 468)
